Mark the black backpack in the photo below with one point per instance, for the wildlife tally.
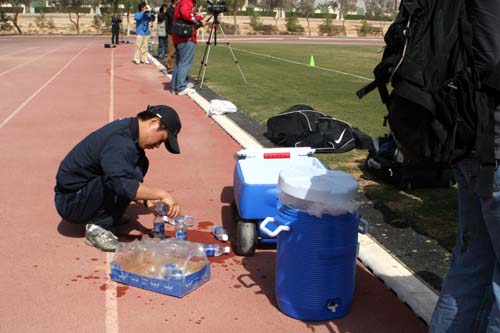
(386, 162)
(302, 126)
(437, 110)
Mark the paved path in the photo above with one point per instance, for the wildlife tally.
(55, 91)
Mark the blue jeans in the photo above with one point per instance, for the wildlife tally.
(184, 56)
(162, 46)
(470, 298)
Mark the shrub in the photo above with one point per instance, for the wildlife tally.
(11, 10)
(256, 22)
(292, 24)
(329, 29)
(102, 22)
(43, 23)
(5, 22)
(229, 28)
(368, 29)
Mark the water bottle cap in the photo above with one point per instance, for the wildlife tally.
(224, 238)
(227, 249)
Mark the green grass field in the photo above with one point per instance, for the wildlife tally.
(279, 76)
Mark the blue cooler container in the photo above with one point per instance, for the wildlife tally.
(316, 256)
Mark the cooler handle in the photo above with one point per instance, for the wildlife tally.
(270, 228)
(363, 226)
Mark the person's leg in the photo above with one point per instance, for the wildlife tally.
(185, 62)
(467, 294)
(144, 49)
(162, 46)
(175, 70)
(138, 44)
(491, 213)
(94, 203)
(171, 54)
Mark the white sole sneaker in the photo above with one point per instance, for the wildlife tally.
(190, 85)
(187, 91)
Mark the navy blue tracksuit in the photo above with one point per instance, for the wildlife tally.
(100, 176)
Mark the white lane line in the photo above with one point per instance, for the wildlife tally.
(6, 120)
(111, 323)
(112, 88)
(254, 38)
(303, 64)
(27, 62)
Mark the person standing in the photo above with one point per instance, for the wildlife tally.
(116, 20)
(184, 46)
(470, 298)
(102, 174)
(142, 19)
(162, 31)
(170, 61)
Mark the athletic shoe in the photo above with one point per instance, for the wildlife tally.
(146, 62)
(100, 238)
(187, 91)
(137, 62)
(190, 85)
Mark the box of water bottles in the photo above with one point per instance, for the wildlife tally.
(168, 266)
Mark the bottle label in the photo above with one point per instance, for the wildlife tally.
(181, 234)
(159, 230)
(210, 250)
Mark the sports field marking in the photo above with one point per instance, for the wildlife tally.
(31, 60)
(29, 99)
(343, 39)
(111, 324)
(254, 38)
(303, 64)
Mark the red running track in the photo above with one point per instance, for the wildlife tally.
(55, 91)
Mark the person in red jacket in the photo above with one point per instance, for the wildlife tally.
(184, 47)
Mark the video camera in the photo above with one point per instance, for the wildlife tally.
(218, 7)
(150, 10)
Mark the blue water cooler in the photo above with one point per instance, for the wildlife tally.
(317, 234)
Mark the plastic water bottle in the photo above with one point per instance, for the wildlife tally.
(180, 228)
(215, 250)
(161, 208)
(220, 233)
(158, 227)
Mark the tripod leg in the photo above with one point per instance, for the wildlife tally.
(204, 61)
(232, 53)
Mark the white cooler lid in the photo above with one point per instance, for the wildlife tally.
(318, 185)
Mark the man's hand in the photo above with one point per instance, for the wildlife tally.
(173, 206)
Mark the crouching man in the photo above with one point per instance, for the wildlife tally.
(102, 174)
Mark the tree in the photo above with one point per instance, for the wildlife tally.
(378, 8)
(72, 7)
(324, 7)
(130, 7)
(343, 6)
(279, 6)
(233, 7)
(16, 6)
(305, 9)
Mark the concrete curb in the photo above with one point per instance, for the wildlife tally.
(395, 275)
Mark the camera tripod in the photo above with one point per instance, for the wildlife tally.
(213, 36)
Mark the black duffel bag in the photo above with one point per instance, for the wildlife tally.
(302, 126)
